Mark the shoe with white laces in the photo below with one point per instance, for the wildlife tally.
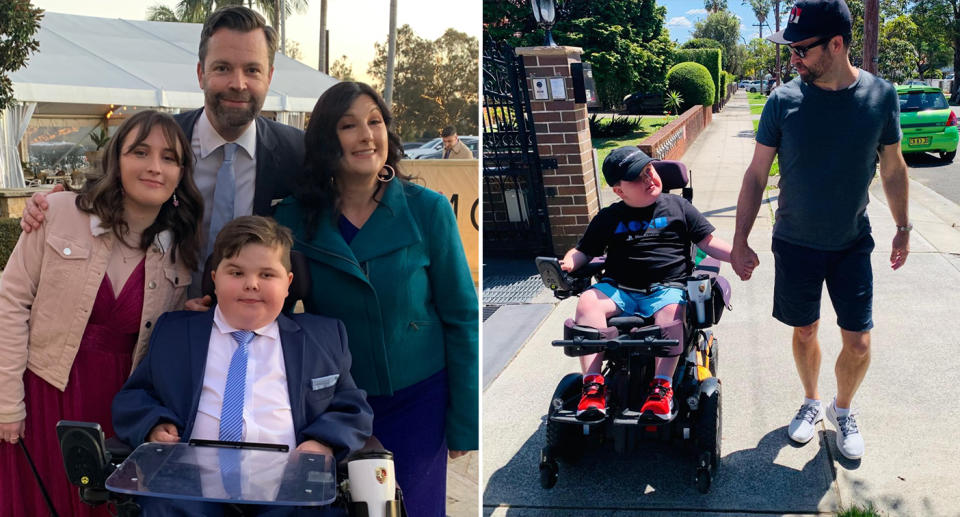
(849, 439)
(803, 426)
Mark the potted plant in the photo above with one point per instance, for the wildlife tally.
(99, 139)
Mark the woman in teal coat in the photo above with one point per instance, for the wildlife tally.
(386, 258)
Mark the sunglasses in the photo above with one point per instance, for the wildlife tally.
(801, 52)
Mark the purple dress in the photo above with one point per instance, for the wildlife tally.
(99, 370)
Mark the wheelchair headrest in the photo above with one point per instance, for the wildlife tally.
(672, 173)
(299, 287)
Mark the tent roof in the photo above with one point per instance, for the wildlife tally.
(100, 61)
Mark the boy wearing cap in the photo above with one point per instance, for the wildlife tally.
(646, 238)
(829, 127)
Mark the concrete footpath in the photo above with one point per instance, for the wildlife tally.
(908, 406)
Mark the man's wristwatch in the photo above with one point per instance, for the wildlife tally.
(906, 228)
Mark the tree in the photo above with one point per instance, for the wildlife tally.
(19, 22)
(293, 50)
(342, 69)
(624, 40)
(435, 82)
(723, 27)
(196, 11)
(761, 9)
(715, 6)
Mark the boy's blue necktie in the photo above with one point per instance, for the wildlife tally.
(231, 414)
(223, 196)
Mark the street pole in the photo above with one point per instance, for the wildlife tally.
(322, 64)
(391, 55)
(871, 22)
(776, 23)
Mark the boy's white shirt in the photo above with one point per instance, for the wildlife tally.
(267, 417)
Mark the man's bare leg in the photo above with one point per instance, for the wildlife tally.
(851, 365)
(806, 355)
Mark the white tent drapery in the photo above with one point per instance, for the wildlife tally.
(13, 124)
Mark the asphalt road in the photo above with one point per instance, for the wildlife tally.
(928, 169)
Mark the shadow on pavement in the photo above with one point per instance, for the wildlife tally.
(658, 476)
(923, 160)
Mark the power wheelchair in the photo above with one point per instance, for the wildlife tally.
(90, 460)
(629, 368)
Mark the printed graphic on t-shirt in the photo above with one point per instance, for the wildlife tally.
(635, 226)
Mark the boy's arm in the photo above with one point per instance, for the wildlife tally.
(347, 420)
(137, 408)
(573, 260)
(715, 247)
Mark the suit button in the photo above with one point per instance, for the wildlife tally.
(148, 324)
(67, 251)
(152, 285)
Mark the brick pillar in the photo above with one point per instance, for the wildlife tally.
(563, 134)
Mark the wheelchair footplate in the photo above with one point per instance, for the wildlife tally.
(645, 340)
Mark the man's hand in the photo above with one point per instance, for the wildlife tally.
(456, 454)
(165, 433)
(901, 248)
(199, 304)
(315, 447)
(33, 211)
(744, 260)
(11, 432)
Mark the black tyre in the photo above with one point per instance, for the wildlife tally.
(948, 156)
(709, 428)
(704, 480)
(753, 90)
(714, 353)
(565, 441)
(549, 472)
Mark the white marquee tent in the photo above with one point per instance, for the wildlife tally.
(86, 64)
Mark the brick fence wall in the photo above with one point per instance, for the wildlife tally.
(673, 139)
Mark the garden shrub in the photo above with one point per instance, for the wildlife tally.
(708, 57)
(9, 233)
(612, 127)
(693, 82)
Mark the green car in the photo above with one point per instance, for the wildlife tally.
(928, 123)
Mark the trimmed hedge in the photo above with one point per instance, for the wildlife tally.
(708, 57)
(693, 82)
(9, 234)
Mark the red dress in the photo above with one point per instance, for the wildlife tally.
(99, 370)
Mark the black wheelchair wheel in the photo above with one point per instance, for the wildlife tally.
(708, 435)
(565, 441)
(549, 472)
(714, 353)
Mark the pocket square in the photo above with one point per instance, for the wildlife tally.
(324, 382)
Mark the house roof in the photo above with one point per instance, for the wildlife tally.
(90, 62)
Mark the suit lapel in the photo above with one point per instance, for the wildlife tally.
(292, 343)
(198, 342)
(267, 161)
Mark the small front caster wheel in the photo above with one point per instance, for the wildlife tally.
(549, 472)
(703, 480)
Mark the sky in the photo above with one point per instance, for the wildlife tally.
(354, 25)
(683, 14)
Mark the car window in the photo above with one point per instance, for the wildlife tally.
(920, 101)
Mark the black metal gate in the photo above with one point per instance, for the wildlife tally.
(514, 204)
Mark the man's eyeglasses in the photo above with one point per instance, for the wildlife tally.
(801, 52)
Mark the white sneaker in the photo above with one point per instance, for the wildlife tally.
(849, 439)
(803, 426)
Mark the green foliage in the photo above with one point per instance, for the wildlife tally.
(673, 102)
(714, 6)
(702, 43)
(860, 511)
(342, 69)
(710, 59)
(693, 82)
(100, 138)
(724, 27)
(613, 127)
(624, 40)
(19, 22)
(9, 233)
(434, 84)
(196, 11)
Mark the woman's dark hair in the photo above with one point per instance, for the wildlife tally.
(317, 189)
(102, 194)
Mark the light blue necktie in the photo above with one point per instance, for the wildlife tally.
(231, 414)
(223, 196)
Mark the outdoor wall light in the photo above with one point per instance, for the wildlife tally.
(545, 13)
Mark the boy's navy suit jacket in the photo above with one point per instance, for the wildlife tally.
(166, 385)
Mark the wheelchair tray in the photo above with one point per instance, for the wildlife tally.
(199, 473)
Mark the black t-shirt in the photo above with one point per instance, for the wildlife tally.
(646, 245)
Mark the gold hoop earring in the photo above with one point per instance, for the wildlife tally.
(387, 174)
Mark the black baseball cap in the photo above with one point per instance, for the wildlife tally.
(624, 164)
(809, 18)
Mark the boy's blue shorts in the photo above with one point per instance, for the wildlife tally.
(643, 304)
(800, 273)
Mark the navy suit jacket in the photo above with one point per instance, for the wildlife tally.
(166, 385)
(280, 150)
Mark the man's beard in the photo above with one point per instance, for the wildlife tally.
(234, 117)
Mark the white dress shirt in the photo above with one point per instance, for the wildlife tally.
(267, 417)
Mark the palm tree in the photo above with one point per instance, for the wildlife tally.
(715, 6)
(196, 11)
(761, 9)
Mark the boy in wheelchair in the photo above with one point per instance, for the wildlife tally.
(244, 371)
(646, 238)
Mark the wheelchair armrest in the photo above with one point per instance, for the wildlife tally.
(117, 449)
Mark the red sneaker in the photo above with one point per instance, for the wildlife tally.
(593, 403)
(660, 400)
